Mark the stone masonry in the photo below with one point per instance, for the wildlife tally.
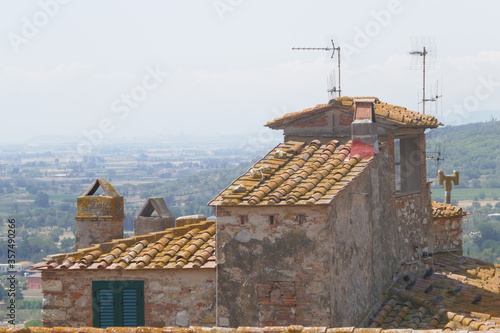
(99, 217)
(180, 297)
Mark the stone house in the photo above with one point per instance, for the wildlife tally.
(34, 281)
(331, 214)
(332, 228)
(151, 279)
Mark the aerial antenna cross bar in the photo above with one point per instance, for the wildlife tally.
(424, 46)
(333, 49)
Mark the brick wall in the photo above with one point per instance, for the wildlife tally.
(181, 297)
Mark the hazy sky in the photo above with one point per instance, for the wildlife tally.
(106, 69)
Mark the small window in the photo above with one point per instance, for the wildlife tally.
(301, 218)
(118, 303)
(243, 219)
(272, 219)
(407, 165)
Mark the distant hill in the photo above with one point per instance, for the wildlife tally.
(472, 149)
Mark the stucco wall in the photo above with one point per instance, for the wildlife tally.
(181, 297)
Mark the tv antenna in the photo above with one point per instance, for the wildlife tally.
(423, 46)
(435, 156)
(331, 85)
(437, 95)
(333, 49)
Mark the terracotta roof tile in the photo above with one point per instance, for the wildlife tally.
(309, 174)
(440, 209)
(183, 247)
(391, 113)
(461, 294)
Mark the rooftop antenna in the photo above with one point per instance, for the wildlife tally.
(333, 49)
(435, 156)
(331, 85)
(436, 96)
(423, 46)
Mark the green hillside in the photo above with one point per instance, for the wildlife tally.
(472, 149)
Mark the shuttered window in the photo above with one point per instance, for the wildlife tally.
(118, 303)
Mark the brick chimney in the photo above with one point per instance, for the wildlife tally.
(364, 129)
(145, 222)
(99, 218)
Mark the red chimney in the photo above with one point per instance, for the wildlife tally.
(364, 129)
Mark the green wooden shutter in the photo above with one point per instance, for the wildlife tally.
(106, 314)
(118, 303)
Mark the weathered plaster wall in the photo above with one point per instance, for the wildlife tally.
(272, 274)
(181, 297)
(364, 253)
(448, 234)
(329, 270)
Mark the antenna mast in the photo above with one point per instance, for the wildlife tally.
(422, 47)
(333, 49)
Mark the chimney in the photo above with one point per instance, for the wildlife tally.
(99, 218)
(364, 129)
(145, 222)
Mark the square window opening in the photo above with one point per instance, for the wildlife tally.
(407, 163)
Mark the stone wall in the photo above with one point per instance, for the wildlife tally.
(271, 274)
(96, 230)
(147, 224)
(317, 265)
(448, 234)
(414, 215)
(180, 297)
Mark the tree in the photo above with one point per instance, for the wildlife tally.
(67, 244)
(475, 183)
(42, 200)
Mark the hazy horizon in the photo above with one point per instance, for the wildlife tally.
(99, 71)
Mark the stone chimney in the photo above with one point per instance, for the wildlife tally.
(364, 129)
(145, 222)
(99, 218)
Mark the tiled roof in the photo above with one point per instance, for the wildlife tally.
(190, 246)
(440, 209)
(460, 294)
(295, 173)
(391, 113)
